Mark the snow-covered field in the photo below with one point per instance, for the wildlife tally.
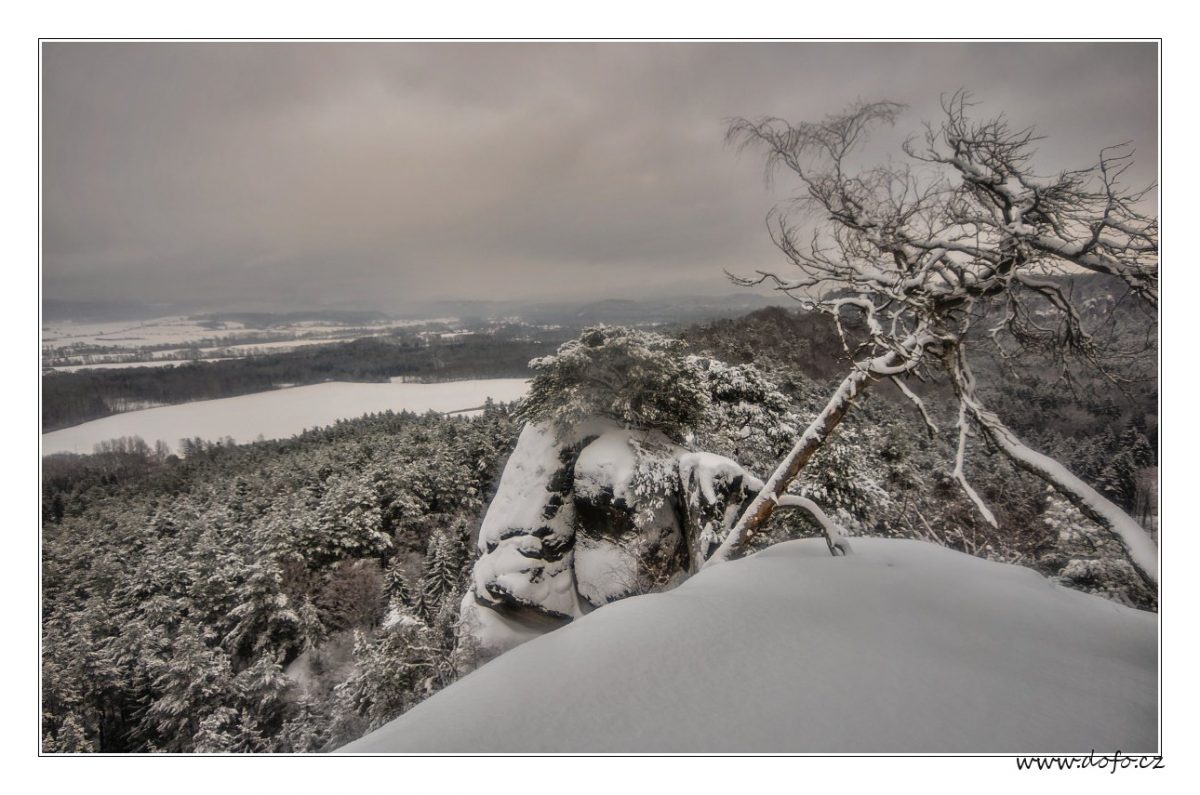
(124, 333)
(901, 647)
(72, 368)
(70, 339)
(281, 413)
(183, 330)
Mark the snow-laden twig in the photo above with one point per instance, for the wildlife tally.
(916, 401)
(835, 535)
(964, 427)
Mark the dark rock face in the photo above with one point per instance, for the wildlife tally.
(580, 522)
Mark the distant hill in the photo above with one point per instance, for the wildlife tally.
(674, 309)
(270, 319)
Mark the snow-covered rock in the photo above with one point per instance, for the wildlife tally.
(588, 516)
(902, 647)
(526, 537)
(630, 537)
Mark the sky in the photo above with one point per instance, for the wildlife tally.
(384, 175)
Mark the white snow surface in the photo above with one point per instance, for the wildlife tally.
(281, 413)
(608, 462)
(902, 647)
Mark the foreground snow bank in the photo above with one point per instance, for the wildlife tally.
(901, 647)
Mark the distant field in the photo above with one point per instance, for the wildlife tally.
(75, 368)
(280, 413)
(186, 330)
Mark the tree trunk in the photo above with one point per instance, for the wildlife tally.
(764, 504)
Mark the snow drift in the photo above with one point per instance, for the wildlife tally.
(903, 647)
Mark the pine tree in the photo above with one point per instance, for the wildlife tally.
(72, 739)
(396, 585)
(442, 575)
(638, 378)
(190, 685)
(1119, 478)
(307, 728)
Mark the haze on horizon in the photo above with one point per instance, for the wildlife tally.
(386, 174)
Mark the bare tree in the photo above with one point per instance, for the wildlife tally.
(959, 241)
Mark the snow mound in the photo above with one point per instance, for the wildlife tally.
(902, 647)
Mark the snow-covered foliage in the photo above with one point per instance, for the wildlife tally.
(637, 378)
(1087, 559)
(902, 647)
(748, 417)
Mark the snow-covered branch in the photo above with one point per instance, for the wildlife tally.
(1142, 551)
(960, 475)
(835, 535)
(930, 425)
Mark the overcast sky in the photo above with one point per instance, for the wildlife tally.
(379, 175)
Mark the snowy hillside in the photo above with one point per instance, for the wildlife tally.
(900, 647)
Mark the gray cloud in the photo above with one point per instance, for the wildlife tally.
(389, 173)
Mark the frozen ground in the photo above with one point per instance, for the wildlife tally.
(901, 647)
(280, 413)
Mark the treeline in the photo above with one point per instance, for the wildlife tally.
(280, 596)
(71, 398)
(807, 342)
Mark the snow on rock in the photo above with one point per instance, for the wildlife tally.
(524, 569)
(492, 631)
(607, 464)
(903, 647)
(629, 537)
